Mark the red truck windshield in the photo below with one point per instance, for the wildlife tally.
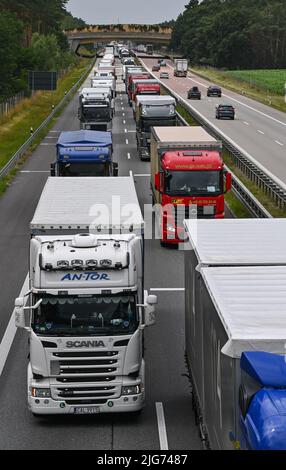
(193, 183)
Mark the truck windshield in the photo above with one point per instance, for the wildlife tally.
(84, 169)
(86, 316)
(96, 112)
(193, 183)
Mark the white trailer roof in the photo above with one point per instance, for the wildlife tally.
(155, 100)
(181, 136)
(238, 241)
(251, 303)
(88, 202)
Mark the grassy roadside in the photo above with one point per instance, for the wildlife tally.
(243, 87)
(31, 112)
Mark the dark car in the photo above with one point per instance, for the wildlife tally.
(224, 111)
(214, 91)
(156, 68)
(194, 93)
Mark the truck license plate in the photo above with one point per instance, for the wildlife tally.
(85, 410)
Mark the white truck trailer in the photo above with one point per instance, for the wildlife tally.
(87, 305)
(235, 301)
(181, 68)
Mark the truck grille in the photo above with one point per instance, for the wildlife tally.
(78, 373)
(183, 212)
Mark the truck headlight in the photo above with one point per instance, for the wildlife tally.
(131, 390)
(41, 392)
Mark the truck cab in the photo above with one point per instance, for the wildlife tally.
(151, 111)
(262, 400)
(84, 153)
(86, 324)
(144, 87)
(131, 78)
(95, 110)
(187, 178)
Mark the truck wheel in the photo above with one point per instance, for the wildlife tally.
(163, 244)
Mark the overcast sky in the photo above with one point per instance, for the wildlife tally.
(126, 11)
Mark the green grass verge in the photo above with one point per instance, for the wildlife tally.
(15, 128)
(257, 192)
(31, 112)
(261, 85)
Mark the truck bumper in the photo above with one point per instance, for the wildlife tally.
(48, 406)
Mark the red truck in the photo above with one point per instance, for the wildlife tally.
(144, 87)
(188, 179)
(131, 78)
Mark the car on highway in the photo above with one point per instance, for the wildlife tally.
(156, 68)
(164, 75)
(163, 63)
(224, 111)
(194, 93)
(214, 91)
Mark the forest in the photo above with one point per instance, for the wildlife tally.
(31, 38)
(233, 34)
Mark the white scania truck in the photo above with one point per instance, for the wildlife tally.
(86, 309)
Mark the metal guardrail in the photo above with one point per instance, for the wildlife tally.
(271, 185)
(251, 203)
(21, 151)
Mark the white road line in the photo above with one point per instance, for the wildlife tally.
(260, 132)
(131, 132)
(142, 174)
(279, 143)
(10, 332)
(52, 137)
(47, 144)
(127, 141)
(123, 114)
(162, 427)
(122, 109)
(125, 130)
(34, 171)
(128, 156)
(124, 122)
(55, 132)
(131, 173)
(246, 123)
(167, 289)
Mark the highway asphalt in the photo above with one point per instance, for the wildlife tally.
(257, 128)
(164, 342)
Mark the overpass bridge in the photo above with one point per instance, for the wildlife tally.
(107, 33)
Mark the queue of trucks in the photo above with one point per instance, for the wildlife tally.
(87, 305)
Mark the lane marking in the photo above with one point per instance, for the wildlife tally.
(124, 122)
(131, 173)
(11, 330)
(131, 132)
(47, 143)
(127, 141)
(123, 114)
(162, 426)
(246, 123)
(260, 132)
(125, 130)
(55, 132)
(279, 143)
(51, 137)
(128, 156)
(142, 174)
(34, 171)
(167, 289)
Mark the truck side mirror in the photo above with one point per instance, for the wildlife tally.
(158, 185)
(149, 308)
(53, 169)
(20, 318)
(115, 169)
(228, 181)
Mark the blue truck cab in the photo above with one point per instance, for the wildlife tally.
(262, 399)
(84, 153)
